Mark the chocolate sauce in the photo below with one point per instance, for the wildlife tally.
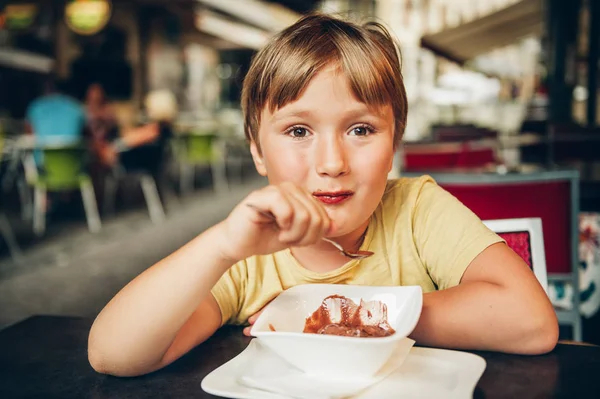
(339, 315)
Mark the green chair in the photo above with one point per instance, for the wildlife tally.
(5, 230)
(64, 170)
(200, 149)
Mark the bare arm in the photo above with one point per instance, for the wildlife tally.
(168, 309)
(132, 138)
(161, 314)
(499, 306)
(138, 136)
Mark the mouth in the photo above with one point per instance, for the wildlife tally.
(333, 197)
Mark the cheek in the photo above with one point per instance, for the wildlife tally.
(373, 163)
(286, 166)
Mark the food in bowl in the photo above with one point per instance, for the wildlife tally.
(339, 315)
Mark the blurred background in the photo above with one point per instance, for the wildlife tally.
(503, 101)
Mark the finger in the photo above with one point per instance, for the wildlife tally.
(328, 225)
(318, 221)
(252, 319)
(247, 331)
(300, 222)
(272, 200)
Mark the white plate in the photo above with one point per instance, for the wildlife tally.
(426, 373)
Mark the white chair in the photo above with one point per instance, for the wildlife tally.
(149, 189)
(6, 232)
(532, 229)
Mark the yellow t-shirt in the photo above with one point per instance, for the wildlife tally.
(420, 234)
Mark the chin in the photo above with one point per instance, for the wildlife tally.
(345, 227)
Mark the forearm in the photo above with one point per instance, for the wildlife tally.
(141, 135)
(486, 316)
(142, 320)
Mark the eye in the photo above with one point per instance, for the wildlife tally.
(297, 132)
(362, 130)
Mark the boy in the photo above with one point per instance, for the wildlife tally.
(325, 108)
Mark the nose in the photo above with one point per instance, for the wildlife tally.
(331, 157)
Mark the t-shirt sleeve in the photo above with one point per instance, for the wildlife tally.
(447, 234)
(229, 292)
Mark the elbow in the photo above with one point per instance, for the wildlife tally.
(106, 359)
(99, 355)
(96, 360)
(543, 336)
(103, 364)
(548, 336)
(96, 356)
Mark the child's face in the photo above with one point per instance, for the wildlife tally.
(329, 142)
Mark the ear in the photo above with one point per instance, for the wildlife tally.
(257, 158)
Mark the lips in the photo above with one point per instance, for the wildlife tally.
(333, 197)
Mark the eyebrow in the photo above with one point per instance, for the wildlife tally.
(355, 112)
(294, 114)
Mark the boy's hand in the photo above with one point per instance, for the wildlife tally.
(252, 319)
(300, 220)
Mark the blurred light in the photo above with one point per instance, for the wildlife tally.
(580, 93)
(441, 96)
(223, 71)
(463, 87)
(237, 33)
(26, 60)
(272, 17)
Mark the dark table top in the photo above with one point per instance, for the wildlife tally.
(46, 357)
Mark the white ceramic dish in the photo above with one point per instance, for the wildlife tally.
(328, 354)
(425, 373)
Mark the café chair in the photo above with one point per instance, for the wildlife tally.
(148, 184)
(9, 238)
(440, 156)
(64, 169)
(6, 231)
(199, 149)
(552, 196)
(525, 237)
(17, 160)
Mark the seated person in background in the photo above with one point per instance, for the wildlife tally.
(101, 123)
(55, 118)
(142, 148)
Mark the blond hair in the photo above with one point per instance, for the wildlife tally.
(367, 54)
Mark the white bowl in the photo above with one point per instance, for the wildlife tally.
(334, 355)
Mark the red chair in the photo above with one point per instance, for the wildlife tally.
(440, 156)
(476, 157)
(552, 196)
